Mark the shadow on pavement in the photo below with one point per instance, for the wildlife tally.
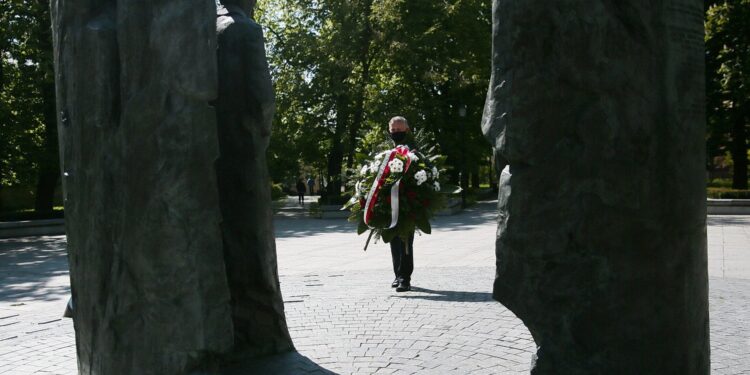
(477, 215)
(28, 264)
(447, 295)
(284, 227)
(286, 363)
(728, 220)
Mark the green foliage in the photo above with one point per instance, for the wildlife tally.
(720, 183)
(16, 197)
(277, 191)
(28, 145)
(361, 226)
(423, 224)
(435, 59)
(727, 193)
(315, 68)
(343, 68)
(331, 199)
(728, 82)
(376, 139)
(29, 214)
(26, 68)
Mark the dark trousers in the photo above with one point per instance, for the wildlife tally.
(403, 263)
(301, 197)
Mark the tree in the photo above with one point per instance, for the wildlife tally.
(300, 127)
(728, 83)
(343, 68)
(319, 53)
(29, 151)
(436, 62)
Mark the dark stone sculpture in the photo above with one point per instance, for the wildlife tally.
(598, 108)
(244, 112)
(155, 290)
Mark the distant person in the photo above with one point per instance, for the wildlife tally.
(301, 191)
(311, 185)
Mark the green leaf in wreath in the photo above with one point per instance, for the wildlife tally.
(360, 216)
(360, 156)
(348, 204)
(388, 235)
(423, 224)
(362, 227)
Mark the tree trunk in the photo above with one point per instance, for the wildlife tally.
(492, 172)
(44, 198)
(739, 153)
(465, 180)
(49, 160)
(335, 162)
(336, 156)
(359, 110)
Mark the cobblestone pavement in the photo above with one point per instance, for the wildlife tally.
(354, 323)
(345, 318)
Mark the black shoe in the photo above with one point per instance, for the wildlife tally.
(404, 286)
(395, 283)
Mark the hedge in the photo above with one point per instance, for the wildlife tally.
(727, 193)
(277, 191)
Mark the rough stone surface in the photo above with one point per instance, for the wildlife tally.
(597, 106)
(244, 109)
(138, 142)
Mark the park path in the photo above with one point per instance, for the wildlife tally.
(344, 317)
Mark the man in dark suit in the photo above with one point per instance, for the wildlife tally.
(402, 256)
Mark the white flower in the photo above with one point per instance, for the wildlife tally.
(413, 156)
(396, 165)
(358, 189)
(435, 173)
(436, 186)
(374, 167)
(421, 177)
(364, 169)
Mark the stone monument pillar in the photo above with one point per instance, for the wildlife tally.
(245, 109)
(151, 286)
(598, 109)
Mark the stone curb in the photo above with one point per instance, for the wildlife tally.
(27, 228)
(728, 206)
(53, 227)
(332, 212)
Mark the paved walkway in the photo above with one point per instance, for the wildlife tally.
(344, 317)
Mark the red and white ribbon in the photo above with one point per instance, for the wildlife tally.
(383, 172)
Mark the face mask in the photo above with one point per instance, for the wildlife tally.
(398, 137)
